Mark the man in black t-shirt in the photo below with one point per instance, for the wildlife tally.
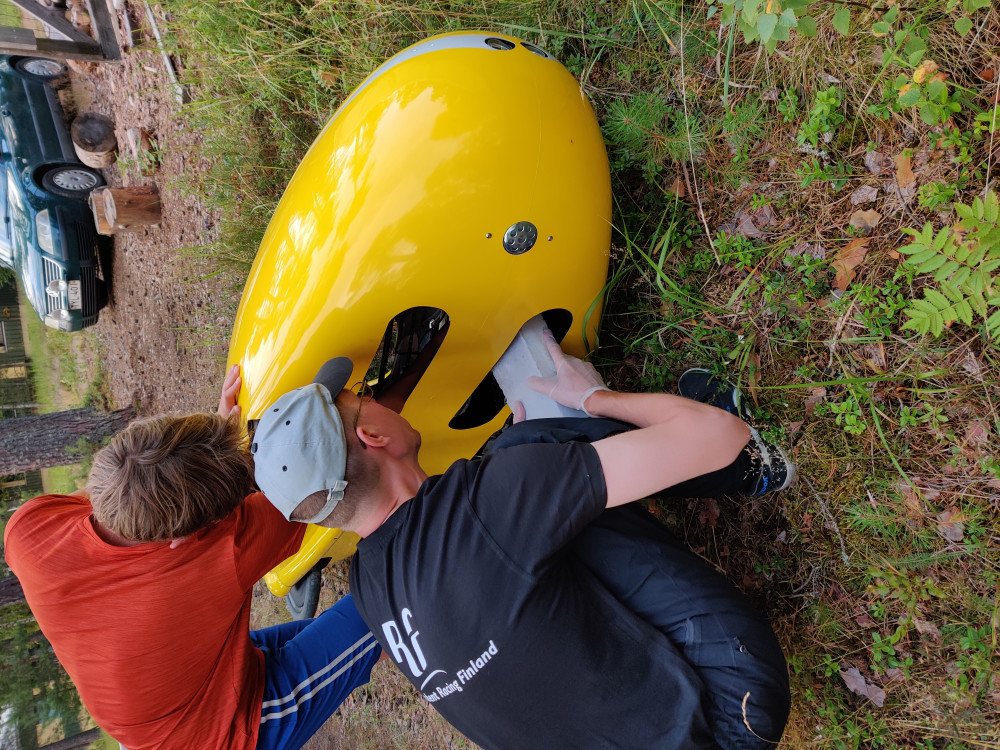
(499, 587)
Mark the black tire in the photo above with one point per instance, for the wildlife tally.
(303, 598)
(72, 181)
(40, 68)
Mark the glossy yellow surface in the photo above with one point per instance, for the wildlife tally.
(403, 201)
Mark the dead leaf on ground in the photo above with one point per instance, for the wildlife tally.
(876, 356)
(865, 221)
(904, 173)
(894, 676)
(865, 620)
(750, 223)
(973, 366)
(818, 394)
(744, 227)
(913, 508)
(676, 188)
(709, 511)
(864, 194)
(847, 260)
(928, 628)
(878, 162)
(330, 77)
(812, 249)
(856, 683)
(951, 524)
(977, 433)
(987, 74)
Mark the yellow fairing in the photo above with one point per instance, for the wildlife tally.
(403, 201)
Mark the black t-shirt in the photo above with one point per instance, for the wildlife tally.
(469, 587)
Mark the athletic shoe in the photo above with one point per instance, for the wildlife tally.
(700, 385)
(776, 471)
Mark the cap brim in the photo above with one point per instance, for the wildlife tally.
(334, 374)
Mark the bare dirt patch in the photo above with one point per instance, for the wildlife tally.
(164, 334)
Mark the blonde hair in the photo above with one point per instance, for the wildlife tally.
(167, 477)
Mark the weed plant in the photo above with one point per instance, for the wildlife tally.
(737, 154)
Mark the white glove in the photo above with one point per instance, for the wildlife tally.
(573, 382)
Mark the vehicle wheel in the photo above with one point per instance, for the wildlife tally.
(303, 598)
(39, 68)
(72, 181)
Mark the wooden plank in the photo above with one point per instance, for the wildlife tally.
(12, 37)
(104, 29)
(51, 18)
(56, 49)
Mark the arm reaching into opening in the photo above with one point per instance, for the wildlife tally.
(677, 439)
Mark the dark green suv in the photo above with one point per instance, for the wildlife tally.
(47, 233)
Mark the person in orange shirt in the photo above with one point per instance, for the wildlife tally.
(144, 592)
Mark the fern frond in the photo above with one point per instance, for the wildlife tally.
(959, 261)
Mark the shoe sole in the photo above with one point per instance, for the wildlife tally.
(765, 457)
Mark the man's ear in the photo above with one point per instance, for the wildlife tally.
(371, 437)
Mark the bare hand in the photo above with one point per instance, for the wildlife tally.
(230, 388)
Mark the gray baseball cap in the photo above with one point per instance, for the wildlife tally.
(299, 446)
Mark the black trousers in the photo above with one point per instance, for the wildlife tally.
(723, 636)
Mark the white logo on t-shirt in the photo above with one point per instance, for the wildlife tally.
(400, 649)
(405, 647)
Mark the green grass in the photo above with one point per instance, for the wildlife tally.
(884, 557)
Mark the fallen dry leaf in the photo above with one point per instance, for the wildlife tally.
(865, 621)
(865, 221)
(330, 77)
(923, 70)
(894, 676)
(813, 249)
(877, 162)
(951, 524)
(709, 511)
(928, 628)
(911, 502)
(676, 188)
(818, 394)
(904, 172)
(977, 433)
(856, 683)
(864, 194)
(746, 228)
(847, 260)
(987, 74)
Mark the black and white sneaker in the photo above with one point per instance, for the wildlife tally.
(776, 471)
(700, 385)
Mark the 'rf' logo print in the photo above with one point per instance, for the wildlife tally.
(403, 643)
